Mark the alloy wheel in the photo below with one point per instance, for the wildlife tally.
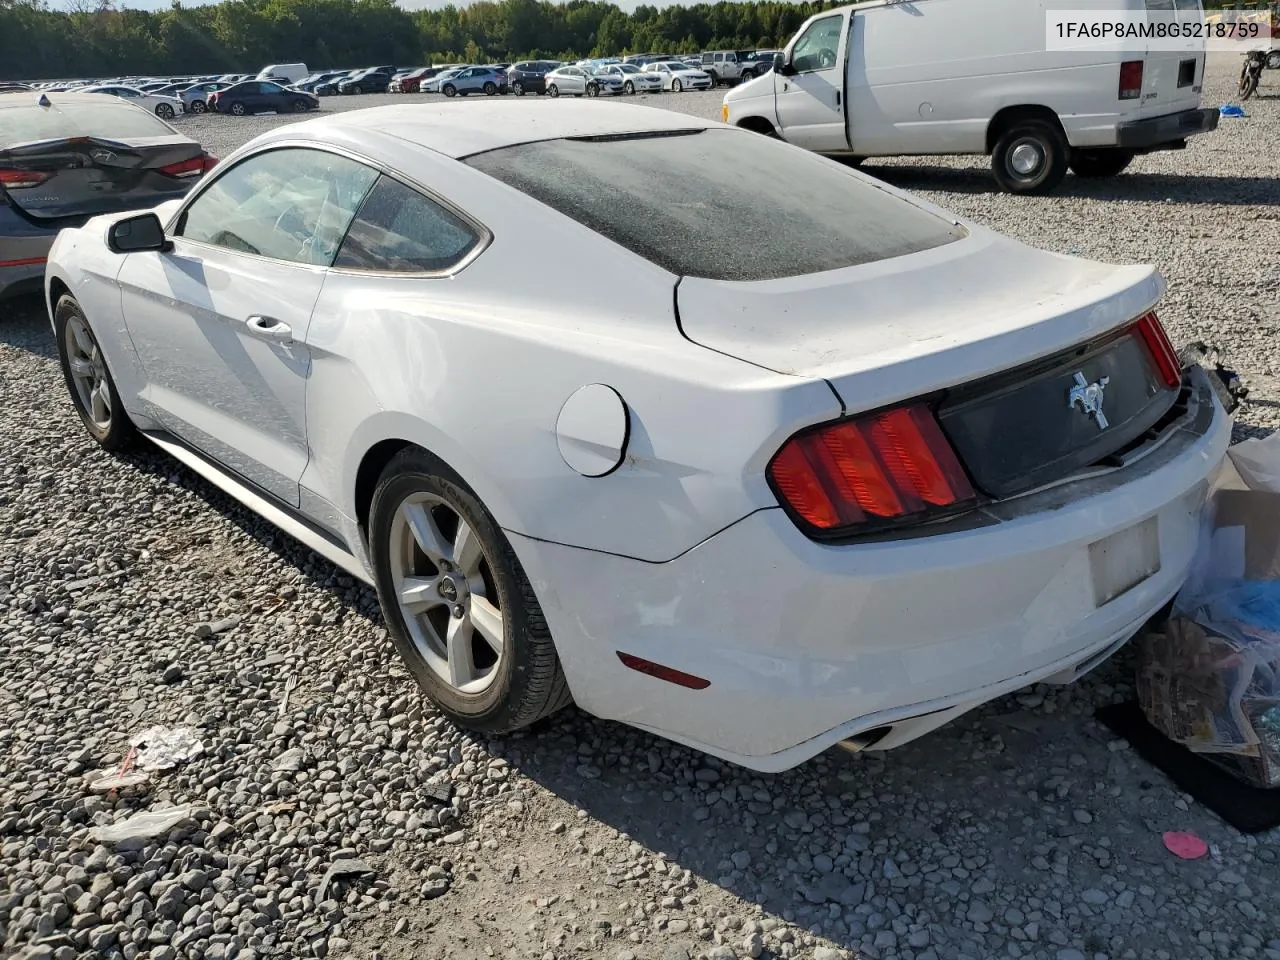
(88, 373)
(446, 592)
(676, 86)
(164, 111)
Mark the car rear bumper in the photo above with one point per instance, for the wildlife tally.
(1169, 131)
(24, 248)
(806, 644)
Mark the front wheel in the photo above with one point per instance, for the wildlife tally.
(1030, 157)
(490, 88)
(593, 90)
(301, 106)
(1248, 82)
(93, 392)
(518, 87)
(164, 111)
(450, 90)
(457, 603)
(358, 91)
(237, 109)
(552, 90)
(676, 86)
(1099, 163)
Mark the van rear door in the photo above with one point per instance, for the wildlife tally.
(1172, 78)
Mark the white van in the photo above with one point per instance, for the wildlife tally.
(906, 77)
(293, 72)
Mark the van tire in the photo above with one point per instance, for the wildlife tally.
(1100, 163)
(1034, 140)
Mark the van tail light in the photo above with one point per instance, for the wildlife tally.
(1131, 80)
(1152, 332)
(19, 179)
(885, 468)
(194, 167)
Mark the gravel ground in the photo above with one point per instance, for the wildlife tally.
(331, 812)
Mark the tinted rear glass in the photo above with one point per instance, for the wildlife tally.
(111, 120)
(719, 204)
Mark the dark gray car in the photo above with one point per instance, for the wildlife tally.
(66, 157)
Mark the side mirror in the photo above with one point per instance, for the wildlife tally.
(135, 234)
(781, 66)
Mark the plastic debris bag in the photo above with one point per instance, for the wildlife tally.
(161, 748)
(1212, 681)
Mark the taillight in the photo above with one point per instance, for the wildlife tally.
(185, 168)
(210, 161)
(890, 467)
(1161, 349)
(1131, 80)
(17, 179)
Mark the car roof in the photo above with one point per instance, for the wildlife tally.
(489, 125)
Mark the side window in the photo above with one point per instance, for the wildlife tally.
(398, 230)
(816, 47)
(291, 204)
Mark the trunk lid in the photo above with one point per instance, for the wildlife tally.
(992, 332)
(72, 156)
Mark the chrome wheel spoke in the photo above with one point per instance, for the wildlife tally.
(466, 549)
(84, 342)
(462, 664)
(80, 367)
(425, 531)
(100, 402)
(487, 620)
(419, 594)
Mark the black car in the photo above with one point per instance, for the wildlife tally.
(261, 96)
(66, 157)
(372, 80)
(529, 76)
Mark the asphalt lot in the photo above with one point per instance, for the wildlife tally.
(1023, 830)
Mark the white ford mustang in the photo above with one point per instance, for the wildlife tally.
(843, 483)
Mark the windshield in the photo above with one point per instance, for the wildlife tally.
(665, 197)
(629, 68)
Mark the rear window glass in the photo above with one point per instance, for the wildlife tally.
(111, 119)
(719, 204)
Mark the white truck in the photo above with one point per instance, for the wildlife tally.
(909, 77)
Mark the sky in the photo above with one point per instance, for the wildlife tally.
(407, 4)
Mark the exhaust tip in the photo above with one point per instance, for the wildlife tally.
(865, 740)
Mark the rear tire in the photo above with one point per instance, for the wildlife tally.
(553, 91)
(198, 106)
(84, 367)
(518, 88)
(237, 109)
(164, 111)
(490, 88)
(1273, 59)
(465, 590)
(1100, 163)
(1030, 157)
(747, 75)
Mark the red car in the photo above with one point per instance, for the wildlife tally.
(412, 82)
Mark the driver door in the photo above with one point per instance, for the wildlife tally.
(220, 321)
(809, 96)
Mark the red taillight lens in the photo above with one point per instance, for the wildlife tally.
(17, 179)
(891, 466)
(1153, 335)
(185, 168)
(1131, 80)
(210, 161)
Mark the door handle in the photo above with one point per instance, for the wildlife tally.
(837, 98)
(269, 328)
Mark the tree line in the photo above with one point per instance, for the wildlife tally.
(93, 39)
